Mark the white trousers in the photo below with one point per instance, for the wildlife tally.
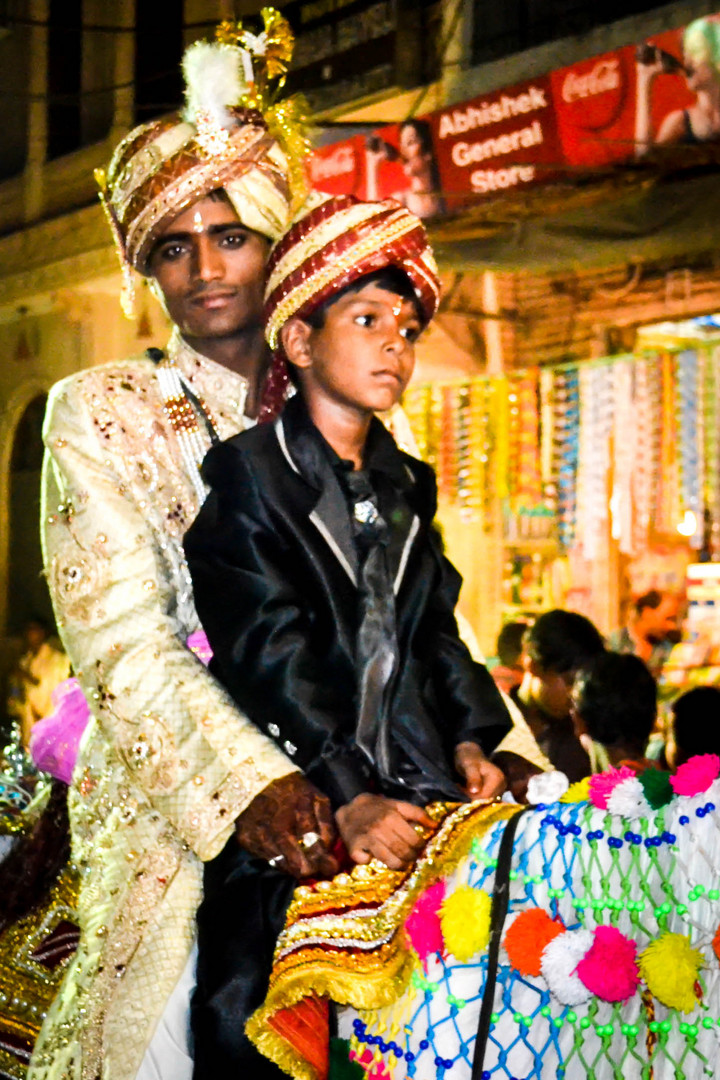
(169, 1055)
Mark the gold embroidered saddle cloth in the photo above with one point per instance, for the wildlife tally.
(344, 942)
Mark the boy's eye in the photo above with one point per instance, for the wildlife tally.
(366, 319)
(411, 333)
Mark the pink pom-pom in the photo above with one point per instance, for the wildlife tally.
(609, 968)
(602, 784)
(423, 926)
(696, 775)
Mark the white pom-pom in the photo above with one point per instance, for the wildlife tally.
(213, 80)
(559, 959)
(547, 787)
(627, 799)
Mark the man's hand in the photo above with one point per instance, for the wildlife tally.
(375, 827)
(483, 780)
(276, 821)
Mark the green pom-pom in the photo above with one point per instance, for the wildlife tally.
(656, 786)
(341, 1067)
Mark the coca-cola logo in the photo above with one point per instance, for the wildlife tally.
(603, 77)
(337, 163)
(592, 93)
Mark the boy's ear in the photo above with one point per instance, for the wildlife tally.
(295, 340)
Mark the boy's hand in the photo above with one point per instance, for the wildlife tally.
(375, 827)
(483, 780)
(286, 813)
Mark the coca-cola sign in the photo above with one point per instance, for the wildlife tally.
(338, 161)
(603, 77)
(592, 94)
(581, 118)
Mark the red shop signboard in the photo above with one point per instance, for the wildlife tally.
(606, 109)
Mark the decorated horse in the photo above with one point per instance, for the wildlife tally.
(574, 938)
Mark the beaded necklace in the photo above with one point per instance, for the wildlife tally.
(184, 409)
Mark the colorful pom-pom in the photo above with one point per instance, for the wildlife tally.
(526, 938)
(423, 927)
(602, 784)
(560, 958)
(696, 775)
(627, 799)
(670, 968)
(716, 943)
(657, 787)
(465, 922)
(547, 787)
(577, 792)
(609, 968)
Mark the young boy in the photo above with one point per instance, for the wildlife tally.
(318, 576)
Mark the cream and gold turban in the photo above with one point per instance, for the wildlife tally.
(163, 167)
(223, 139)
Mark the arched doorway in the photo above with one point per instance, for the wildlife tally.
(27, 591)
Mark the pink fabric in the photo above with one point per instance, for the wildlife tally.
(199, 644)
(55, 740)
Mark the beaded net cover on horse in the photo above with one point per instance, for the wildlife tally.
(604, 963)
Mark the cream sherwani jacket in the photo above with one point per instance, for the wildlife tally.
(167, 762)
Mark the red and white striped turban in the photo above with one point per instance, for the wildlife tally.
(335, 241)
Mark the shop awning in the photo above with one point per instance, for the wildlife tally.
(641, 220)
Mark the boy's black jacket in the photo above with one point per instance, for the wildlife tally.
(274, 567)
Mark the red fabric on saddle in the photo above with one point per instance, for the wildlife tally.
(306, 1026)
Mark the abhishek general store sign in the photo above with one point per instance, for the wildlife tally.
(606, 109)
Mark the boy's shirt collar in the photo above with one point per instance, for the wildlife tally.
(381, 451)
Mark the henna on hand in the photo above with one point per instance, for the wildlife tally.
(274, 823)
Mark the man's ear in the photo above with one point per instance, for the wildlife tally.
(295, 340)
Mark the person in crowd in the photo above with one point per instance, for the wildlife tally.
(508, 671)
(556, 646)
(652, 631)
(695, 727)
(39, 670)
(614, 708)
(323, 589)
(169, 770)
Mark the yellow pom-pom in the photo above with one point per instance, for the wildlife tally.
(670, 968)
(465, 921)
(578, 792)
